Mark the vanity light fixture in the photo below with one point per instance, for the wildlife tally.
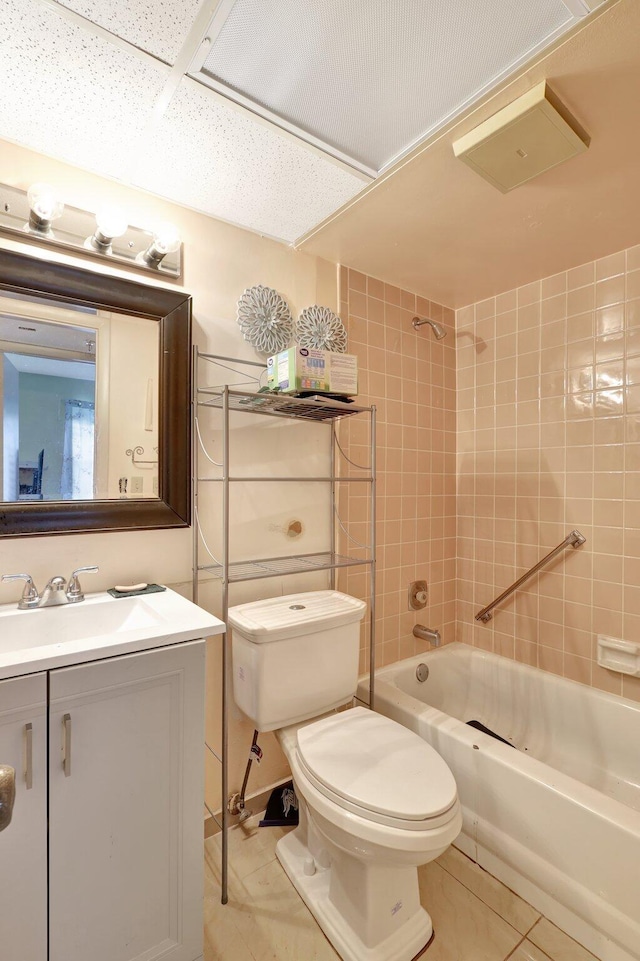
(107, 233)
(166, 240)
(44, 208)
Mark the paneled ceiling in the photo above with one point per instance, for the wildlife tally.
(271, 114)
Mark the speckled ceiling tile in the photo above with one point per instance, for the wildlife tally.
(216, 158)
(70, 94)
(158, 26)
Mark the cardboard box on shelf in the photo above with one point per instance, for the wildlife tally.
(302, 369)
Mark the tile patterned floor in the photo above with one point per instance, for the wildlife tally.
(476, 918)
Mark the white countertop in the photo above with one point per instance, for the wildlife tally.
(100, 626)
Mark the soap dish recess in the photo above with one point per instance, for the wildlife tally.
(618, 655)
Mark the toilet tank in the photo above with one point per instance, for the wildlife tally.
(295, 657)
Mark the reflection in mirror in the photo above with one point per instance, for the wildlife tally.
(142, 424)
(79, 403)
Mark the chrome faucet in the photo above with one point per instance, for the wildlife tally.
(56, 592)
(427, 634)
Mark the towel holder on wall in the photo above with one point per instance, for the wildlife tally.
(574, 539)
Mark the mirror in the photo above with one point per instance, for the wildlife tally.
(78, 399)
(94, 391)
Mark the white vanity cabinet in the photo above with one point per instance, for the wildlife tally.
(125, 796)
(23, 844)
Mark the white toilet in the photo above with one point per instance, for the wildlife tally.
(375, 799)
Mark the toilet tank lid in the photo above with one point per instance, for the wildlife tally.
(376, 763)
(276, 618)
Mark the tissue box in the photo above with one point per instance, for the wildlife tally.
(302, 369)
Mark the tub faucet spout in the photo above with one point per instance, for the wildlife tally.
(427, 634)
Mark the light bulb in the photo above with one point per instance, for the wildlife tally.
(44, 207)
(111, 222)
(166, 240)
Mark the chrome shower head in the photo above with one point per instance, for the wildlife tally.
(437, 328)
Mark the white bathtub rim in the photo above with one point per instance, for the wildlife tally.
(462, 650)
(529, 766)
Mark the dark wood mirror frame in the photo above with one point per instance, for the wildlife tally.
(26, 275)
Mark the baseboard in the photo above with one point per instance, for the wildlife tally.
(256, 803)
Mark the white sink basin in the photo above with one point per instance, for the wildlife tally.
(99, 626)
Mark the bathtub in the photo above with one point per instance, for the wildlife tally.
(556, 816)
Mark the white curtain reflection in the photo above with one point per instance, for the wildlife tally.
(77, 457)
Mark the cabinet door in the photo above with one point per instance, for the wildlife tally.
(23, 844)
(125, 807)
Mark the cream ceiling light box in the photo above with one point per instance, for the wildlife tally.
(521, 141)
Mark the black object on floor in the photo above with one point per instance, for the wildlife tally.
(487, 730)
(282, 808)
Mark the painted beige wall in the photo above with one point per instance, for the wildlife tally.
(220, 262)
(548, 441)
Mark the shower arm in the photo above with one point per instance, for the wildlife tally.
(574, 539)
(437, 328)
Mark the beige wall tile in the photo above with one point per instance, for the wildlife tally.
(412, 382)
(568, 380)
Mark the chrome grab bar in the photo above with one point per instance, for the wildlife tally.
(574, 539)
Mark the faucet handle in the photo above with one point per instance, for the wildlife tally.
(30, 597)
(74, 590)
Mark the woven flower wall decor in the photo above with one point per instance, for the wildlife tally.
(319, 327)
(265, 319)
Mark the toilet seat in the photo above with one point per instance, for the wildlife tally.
(375, 768)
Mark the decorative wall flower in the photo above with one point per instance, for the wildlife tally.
(265, 319)
(320, 328)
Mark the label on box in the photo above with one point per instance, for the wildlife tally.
(312, 369)
(344, 374)
(309, 369)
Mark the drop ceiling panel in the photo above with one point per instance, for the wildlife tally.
(212, 156)
(158, 26)
(71, 94)
(369, 79)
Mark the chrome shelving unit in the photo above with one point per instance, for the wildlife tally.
(232, 401)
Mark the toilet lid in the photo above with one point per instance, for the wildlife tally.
(376, 764)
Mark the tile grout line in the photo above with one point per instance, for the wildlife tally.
(529, 930)
(515, 948)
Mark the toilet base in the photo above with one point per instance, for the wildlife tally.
(404, 943)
